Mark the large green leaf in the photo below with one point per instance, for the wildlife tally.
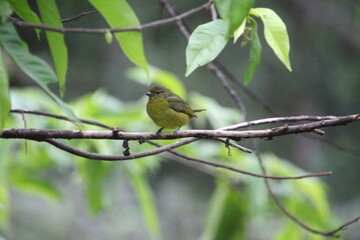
(23, 10)
(290, 231)
(34, 185)
(33, 66)
(5, 152)
(216, 209)
(144, 195)
(226, 219)
(118, 13)
(233, 12)
(5, 103)
(255, 53)
(4, 204)
(50, 16)
(5, 11)
(275, 34)
(94, 175)
(205, 44)
(240, 30)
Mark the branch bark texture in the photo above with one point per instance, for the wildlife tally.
(44, 134)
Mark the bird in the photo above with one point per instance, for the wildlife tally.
(167, 109)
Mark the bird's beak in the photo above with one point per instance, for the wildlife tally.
(149, 94)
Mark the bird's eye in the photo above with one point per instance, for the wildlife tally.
(157, 92)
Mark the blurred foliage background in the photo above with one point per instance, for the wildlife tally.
(154, 197)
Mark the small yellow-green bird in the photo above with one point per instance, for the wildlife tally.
(167, 109)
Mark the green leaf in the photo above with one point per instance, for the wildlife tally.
(94, 173)
(5, 103)
(275, 34)
(240, 30)
(5, 11)
(216, 209)
(289, 231)
(145, 197)
(23, 10)
(233, 12)
(118, 13)
(33, 66)
(5, 152)
(227, 217)
(34, 185)
(50, 16)
(4, 205)
(255, 53)
(205, 44)
(233, 221)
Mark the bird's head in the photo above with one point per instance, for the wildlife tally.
(157, 90)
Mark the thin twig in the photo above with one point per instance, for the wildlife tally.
(102, 31)
(246, 90)
(213, 12)
(112, 157)
(78, 16)
(56, 116)
(331, 233)
(234, 145)
(339, 147)
(25, 126)
(118, 157)
(171, 10)
(220, 76)
(287, 119)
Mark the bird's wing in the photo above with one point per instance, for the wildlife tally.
(179, 105)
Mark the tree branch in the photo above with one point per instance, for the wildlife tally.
(78, 16)
(220, 76)
(102, 31)
(56, 116)
(331, 233)
(118, 157)
(41, 134)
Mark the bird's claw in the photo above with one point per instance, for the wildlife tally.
(159, 131)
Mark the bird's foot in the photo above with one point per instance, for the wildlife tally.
(159, 131)
(177, 130)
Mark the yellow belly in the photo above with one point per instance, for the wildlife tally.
(165, 117)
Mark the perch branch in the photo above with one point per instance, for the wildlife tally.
(118, 157)
(41, 135)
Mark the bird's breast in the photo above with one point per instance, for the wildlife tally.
(164, 116)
